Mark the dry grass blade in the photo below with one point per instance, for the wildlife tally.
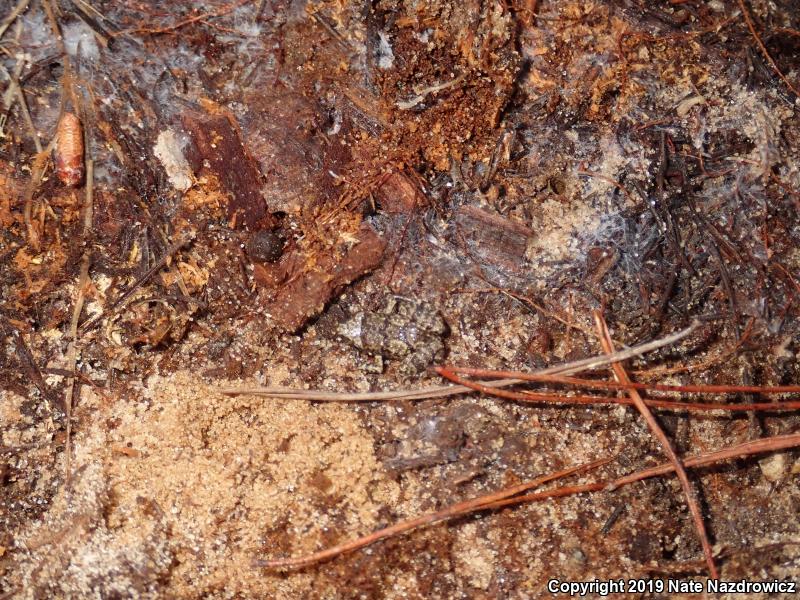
(577, 366)
(460, 508)
(694, 507)
(17, 11)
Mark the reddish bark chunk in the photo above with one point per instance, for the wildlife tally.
(400, 194)
(217, 146)
(301, 294)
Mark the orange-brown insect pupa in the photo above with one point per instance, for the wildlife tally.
(69, 150)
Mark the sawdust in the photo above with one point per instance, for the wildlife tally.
(184, 484)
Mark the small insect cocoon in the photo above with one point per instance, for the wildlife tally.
(69, 150)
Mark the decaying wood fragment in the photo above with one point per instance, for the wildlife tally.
(169, 150)
(400, 194)
(218, 147)
(301, 292)
(494, 240)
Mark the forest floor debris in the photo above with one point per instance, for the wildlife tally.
(262, 173)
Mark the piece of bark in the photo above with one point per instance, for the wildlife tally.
(217, 146)
(301, 294)
(400, 194)
(493, 240)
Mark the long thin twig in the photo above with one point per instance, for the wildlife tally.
(289, 393)
(83, 282)
(655, 428)
(770, 444)
(454, 510)
(703, 364)
(569, 368)
(543, 397)
(612, 385)
(509, 497)
(551, 374)
(16, 89)
(72, 361)
(188, 21)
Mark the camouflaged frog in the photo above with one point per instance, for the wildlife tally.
(411, 333)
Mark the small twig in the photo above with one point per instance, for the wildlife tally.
(655, 428)
(552, 398)
(338, 37)
(529, 18)
(771, 444)
(454, 510)
(509, 497)
(11, 92)
(51, 12)
(787, 31)
(569, 368)
(531, 305)
(25, 357)
(16, 89)
(610, 385)
(289, 393)
(639, 37)
(83, 282)
(188, 21)
(72, 360)
(424, 92)
(86, 7)
(609, 181)
(125, 297)
(99, 31)
(88, 206)
(37, 173)
(259, 10)
(704, 364)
